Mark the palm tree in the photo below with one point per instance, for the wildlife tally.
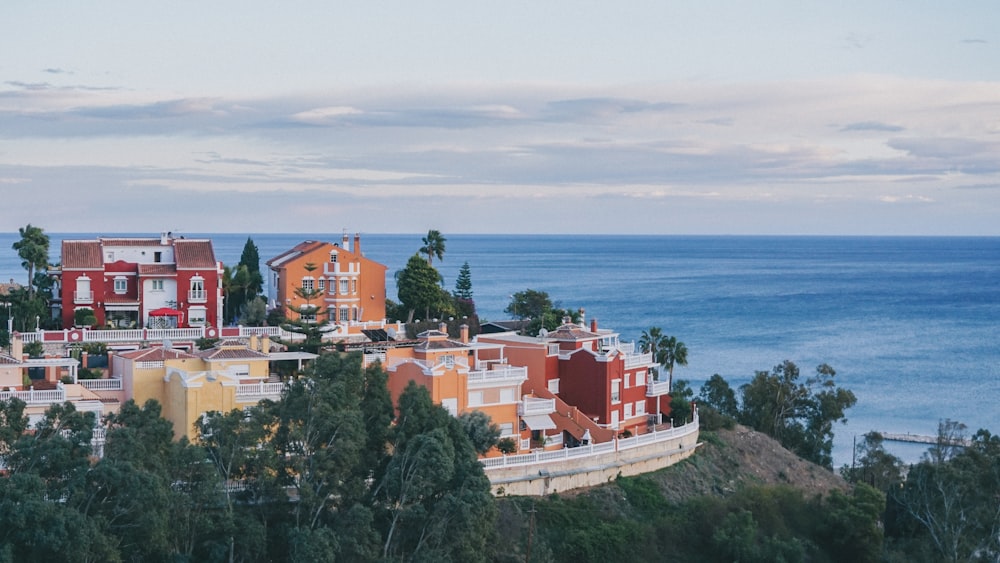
(33, 248)
(666, 350)
(433, 246)
(673, 352)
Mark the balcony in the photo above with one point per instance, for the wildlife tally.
(197, 296)
(83, 296)
(657, 388)
(494, 377)
(638, 360)
(253, 392)
(535, 406)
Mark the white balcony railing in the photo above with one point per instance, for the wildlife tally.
(33, 397)
(197, 296)
(113, 384)
(496, 376)
(83, 296)
(655, 388)
(252, 392)
(638, 360)
(536, 406)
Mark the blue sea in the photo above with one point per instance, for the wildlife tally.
(911, 324)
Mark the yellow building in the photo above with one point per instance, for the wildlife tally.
(230, 375)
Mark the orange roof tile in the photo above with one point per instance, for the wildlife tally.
(157, 269)
(81, 254)
(194, 253)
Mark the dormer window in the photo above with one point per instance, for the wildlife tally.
(333, 257)
(121, 284)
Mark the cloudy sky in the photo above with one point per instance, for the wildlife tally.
(559, 116)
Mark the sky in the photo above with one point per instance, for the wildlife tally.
(638, 117)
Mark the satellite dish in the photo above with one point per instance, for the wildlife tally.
(167, 344)
(391, 332)
(543, 333)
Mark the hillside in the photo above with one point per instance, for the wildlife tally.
(729, 459)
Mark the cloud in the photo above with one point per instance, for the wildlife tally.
(872, 126)
(974, 41)
(909, 198)
(56, 71)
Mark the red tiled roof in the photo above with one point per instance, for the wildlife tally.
(571, 332)
(81, 254)
(230, 353)
(130, 241)
(7, 360)
(157, 270)
(299, 249)
(194, 253)
(6, 288)
(157, 354)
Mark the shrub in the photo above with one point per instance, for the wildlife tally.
(507, 445)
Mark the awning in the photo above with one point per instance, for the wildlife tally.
(165, 312)
(539, 422)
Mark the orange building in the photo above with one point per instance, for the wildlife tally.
(349, 287)
(463, 376)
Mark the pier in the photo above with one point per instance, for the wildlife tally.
(921, 439)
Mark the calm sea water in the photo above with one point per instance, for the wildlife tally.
(912, 325)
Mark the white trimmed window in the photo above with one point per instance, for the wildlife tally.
(196, 316)
(616, 393)
(506, 428)
(121, 284)
(333, 257)
(553, 385)
(321, 284)
(345, 314)
(475, 398)
(343, 286)
(640, 408)
(156, 285)
(507, 395)
(307, 284)
(640, 379)
(628, 380)
(628, 410)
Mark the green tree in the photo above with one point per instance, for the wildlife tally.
(434, 244)
(529, 304)
(873, 465)
(799, 415)
(435, 502)
(33, 249)
(464, 304)
(307, 322)
(717, 393)
(419, 288)
(481, 431)
(680, 402)
(254, 312)
(250, 259)
(672, 352)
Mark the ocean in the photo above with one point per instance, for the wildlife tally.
(911, 324)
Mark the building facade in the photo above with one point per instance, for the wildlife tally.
(337, 281)
(164, 282)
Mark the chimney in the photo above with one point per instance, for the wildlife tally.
(593, 325)
(443, 327)
(344, 241)
(254, 344)
(265, 344)
(16, 346)
(164, 238)
(357, 243)
(464, 333)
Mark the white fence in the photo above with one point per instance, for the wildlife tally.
(257, 391)
(33, 397)
(113, 384)
(616, 445)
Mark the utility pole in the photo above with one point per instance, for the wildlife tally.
(531, 531)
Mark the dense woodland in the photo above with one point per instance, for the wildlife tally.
(325, 475)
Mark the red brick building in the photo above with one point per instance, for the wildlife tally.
(164, 282)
